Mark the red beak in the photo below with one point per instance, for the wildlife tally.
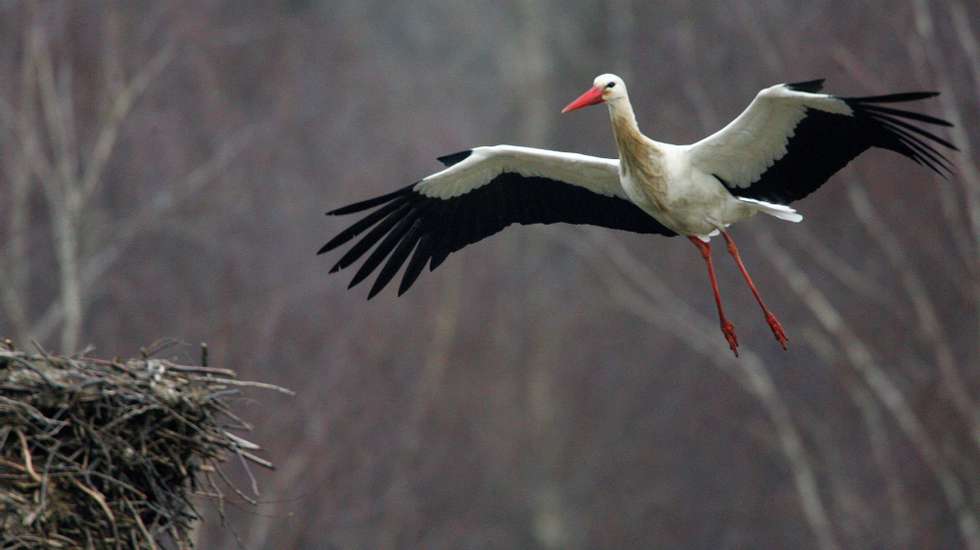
(591, 97)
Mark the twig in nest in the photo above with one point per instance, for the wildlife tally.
(28, 462)
(97, 496)
(234, 487)
(142, 526)
(245, 384)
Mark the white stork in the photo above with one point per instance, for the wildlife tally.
(785, 145)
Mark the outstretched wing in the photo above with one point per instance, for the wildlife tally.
(791, 139)
(482, 191)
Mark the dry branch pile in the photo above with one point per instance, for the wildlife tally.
(108, 454)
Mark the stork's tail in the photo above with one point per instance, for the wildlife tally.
(780, 211)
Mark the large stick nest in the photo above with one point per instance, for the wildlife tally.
(109, 454)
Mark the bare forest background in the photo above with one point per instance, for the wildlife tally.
(165, 166)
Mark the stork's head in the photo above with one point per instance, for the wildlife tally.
(605, 88)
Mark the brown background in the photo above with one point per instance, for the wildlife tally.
(165, 166)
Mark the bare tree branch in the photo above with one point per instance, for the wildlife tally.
(14, 262)
(949, 201)
(67, 193)
(930, 326)
(156, 211)
(874, 425)
(968, 41)
(57, 110)
(120, 107)
(862, 360)
(63, 199)
(967, 171)
(851, 277)
(641, 291)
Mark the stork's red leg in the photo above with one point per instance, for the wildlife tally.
(777, 329)
(727, 328)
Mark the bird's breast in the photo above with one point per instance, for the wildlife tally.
(686, 203)
(647, 197)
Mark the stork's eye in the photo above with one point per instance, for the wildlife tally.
(610, 85)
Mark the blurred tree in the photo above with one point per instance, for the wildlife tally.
(164, 168)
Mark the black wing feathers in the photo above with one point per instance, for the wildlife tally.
(892, 98)
(825, 142)
(894, 133)
(370, 203)
(812, 86)
(361, 225)
(414, 229)
(454, 158)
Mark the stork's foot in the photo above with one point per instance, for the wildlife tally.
(777, 330)
(728, 329)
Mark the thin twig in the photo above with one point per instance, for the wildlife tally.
(100, 499)
(141, 525)
(28, 462)
(245, 384)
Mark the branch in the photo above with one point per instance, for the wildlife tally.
(643, 292)
(854, 279)
(948, 199)
(58, 111)
(930, 327)
(967, 171)
(14, 263)
(968, 42)
(878, 438)
(149, 217)
(882, 387)
(121, 105)
(27, 131)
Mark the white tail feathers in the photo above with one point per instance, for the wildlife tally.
(780, 211)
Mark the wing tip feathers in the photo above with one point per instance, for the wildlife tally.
(455, 158)
(809, 86)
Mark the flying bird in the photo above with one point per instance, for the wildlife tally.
(789, 141)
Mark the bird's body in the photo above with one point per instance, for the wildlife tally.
(786, 144)
(663, 182)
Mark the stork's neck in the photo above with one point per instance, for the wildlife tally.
(622, 117)
(637, 153)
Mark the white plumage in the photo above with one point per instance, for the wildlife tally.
(596, 174)
(783, 146)
(749, 145)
